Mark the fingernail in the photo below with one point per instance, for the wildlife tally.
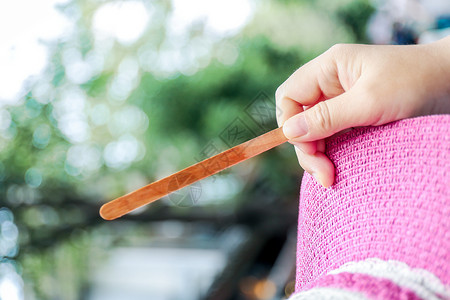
(295, 127)
(314, 174)
(298, 148)
(318, 178)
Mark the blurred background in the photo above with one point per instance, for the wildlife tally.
(99, 98)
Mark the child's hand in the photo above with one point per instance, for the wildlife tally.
(360, 85)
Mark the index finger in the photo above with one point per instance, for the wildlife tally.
(313, 82)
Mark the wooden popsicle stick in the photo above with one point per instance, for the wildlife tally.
(210, 166)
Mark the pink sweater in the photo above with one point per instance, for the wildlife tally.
(382, 231)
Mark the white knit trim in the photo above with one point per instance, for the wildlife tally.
(422, 282)
(325, 293)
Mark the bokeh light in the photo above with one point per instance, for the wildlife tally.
(11, 283)
(122, 20)
(22, 52)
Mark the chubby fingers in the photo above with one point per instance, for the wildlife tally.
(313, 82)
(350, 109)
(314, 161)
(318, 165)
(311, 105)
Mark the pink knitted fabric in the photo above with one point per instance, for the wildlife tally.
(390, 200)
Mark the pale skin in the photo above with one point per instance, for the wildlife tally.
(360, 85)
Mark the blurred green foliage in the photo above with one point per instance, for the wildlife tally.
(54, 182)
(355, 15)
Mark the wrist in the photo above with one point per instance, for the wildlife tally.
(439, 51)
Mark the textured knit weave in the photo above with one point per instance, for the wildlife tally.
(390, 200)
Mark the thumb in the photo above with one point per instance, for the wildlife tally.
(327, 117)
